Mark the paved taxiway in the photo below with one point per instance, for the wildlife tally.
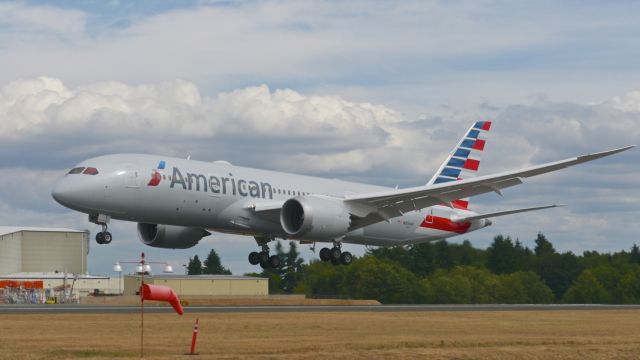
(80, 309)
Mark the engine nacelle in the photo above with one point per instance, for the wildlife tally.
(313, 218)
(169, 236)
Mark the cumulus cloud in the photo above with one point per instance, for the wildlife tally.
(45, 104)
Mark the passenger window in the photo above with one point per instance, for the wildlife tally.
(90, 171)
(77, 170)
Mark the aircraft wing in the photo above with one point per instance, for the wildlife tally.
(380, 206)
(267, 209)
(501, 213)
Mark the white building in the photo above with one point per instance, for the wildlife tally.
(72, 286)
(33, 249)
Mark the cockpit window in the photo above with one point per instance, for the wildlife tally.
(77, 170)
(90, 171)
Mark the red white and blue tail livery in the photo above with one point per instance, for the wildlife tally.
(464, 160)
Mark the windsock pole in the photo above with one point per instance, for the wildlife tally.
(195, 336)
(142, 308)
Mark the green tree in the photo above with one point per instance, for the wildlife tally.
(292, 269)
(634, 256)
(323, 280)
(629, 287)
(558, 271)
(464, 285)
(212, 265)
(383, 280)
(587, 290)
(543, 246)
(466, 254)
(422, 259)
(195, 266)
(525, 287)
(610, 276)
(503, 256)
(399, 254)
(443, 256)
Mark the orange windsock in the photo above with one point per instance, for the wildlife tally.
(162, 293)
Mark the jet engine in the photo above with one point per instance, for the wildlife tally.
(314, 218)
(169, 236)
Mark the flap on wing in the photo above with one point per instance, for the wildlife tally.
(500, 213)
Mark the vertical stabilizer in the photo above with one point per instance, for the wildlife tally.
(463, 161)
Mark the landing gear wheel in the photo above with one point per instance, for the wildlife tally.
(335, 262)
(325, 254)
(106, 237)
(264, 265)
(335, 253)
(346, 258)
(274, 261)
(100, 238)
(254, 258)
(264, 256)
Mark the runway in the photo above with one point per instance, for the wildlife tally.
(101, 309)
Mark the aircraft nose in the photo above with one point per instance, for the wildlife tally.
(62, 192)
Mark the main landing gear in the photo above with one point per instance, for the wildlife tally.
(263, 258)
(103, 237)
(336, 255)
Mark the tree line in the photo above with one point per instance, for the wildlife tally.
(212, 265)
(506, 272)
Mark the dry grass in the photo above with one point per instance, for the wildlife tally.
(403, 335)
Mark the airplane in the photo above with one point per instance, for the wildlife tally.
(176, 202)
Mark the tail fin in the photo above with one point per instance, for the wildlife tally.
(464, 160)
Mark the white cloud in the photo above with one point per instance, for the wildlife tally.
(43, 21)
(45, 106)
(629, 102)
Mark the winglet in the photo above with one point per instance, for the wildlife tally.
(602, 154)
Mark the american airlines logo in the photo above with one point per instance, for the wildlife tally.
(155, 174)
(224, 185)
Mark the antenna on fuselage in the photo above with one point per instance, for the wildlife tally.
(189, 157)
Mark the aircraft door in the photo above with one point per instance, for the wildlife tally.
(131, 179)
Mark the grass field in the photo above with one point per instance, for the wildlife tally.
(402, 335)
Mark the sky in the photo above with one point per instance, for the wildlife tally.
(376, 92)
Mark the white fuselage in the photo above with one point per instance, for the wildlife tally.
(218, 196)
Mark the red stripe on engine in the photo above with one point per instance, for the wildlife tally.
(478, 145)
(471, 164)
(445, 224)
(486, 125)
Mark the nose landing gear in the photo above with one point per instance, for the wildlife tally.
(103, 237)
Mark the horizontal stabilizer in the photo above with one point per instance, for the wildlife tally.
(501, 213)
